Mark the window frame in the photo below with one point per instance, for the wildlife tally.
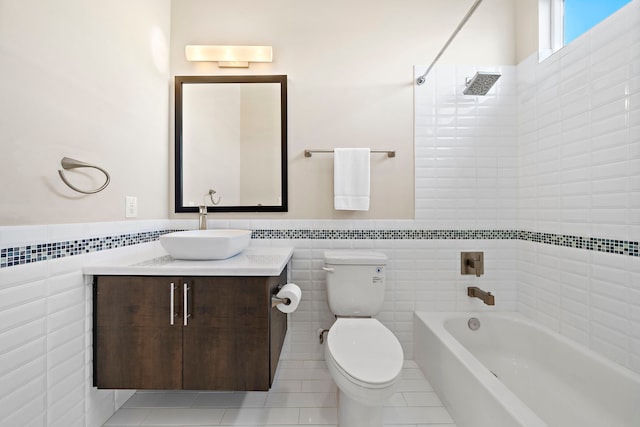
(551, 27)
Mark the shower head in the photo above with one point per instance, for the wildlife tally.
(480, 83)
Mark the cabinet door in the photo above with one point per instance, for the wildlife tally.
(226, 339)
(136, 346)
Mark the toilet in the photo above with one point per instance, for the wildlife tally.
(364, 358)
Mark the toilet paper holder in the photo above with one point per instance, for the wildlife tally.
(286, 298)
(276, 300)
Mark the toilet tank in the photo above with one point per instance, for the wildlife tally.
(355, 282)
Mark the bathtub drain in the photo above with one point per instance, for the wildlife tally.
(474, 324)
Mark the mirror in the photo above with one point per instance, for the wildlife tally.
(231, 143)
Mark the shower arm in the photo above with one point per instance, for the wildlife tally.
(420, 80)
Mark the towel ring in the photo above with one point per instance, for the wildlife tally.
(69, 163)
(211, 193)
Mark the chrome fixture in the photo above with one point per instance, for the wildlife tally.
(389, 153)
(476, 292)
(473, 323)
(472, 263)
(420, 80)
(276, 301)
(211, 193)
(202, 212)
(480, 83)
(321, 333)
(185, 305)
(172, 299)
(69, 163)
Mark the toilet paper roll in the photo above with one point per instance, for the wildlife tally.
(292, 292)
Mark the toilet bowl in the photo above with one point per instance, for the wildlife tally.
(365, 359)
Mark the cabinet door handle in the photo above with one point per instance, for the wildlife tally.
(185, 300)
(172, 301)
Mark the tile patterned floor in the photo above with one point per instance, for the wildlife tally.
(303, 394)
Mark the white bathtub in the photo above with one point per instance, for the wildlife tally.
(512, 372)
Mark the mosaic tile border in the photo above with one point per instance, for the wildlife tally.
(382, 234)
(621, 247)
(14, 256)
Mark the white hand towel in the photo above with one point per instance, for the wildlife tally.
(351, 180)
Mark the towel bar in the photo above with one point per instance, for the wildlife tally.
(309, 153)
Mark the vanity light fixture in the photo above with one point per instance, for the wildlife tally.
(229, 56)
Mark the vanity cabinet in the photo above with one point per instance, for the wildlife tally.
(192, 333)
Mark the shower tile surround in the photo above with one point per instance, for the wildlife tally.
(557, 215)
(579, 174)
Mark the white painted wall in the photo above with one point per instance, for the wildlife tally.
(87, 80)
(97, 91)
(350, 70)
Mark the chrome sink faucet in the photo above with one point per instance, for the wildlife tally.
(203, 217)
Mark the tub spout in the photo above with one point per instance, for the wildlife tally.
(476, 292)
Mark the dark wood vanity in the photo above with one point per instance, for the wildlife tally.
(186, 332)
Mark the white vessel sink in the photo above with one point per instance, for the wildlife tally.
(205, 244)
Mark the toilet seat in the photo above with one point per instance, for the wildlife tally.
(365, 352)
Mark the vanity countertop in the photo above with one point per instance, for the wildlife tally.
(253, 261)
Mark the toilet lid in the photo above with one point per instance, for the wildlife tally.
(365, 350)
(354, 257)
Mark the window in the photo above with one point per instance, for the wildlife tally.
(581, 15)
(562, 21)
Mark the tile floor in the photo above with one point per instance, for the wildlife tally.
(302, 394)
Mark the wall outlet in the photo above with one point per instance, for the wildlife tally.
(131, 207)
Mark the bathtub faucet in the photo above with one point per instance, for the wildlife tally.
(476, 292)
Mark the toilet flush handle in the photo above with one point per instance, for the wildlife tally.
(329, 269)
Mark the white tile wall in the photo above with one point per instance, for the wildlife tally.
(421, 275)
(465, 150)
(579, 174)
(45, 331)
(577, 131)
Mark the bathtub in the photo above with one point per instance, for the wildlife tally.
(511, 372)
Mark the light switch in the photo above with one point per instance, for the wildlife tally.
(131, 207)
